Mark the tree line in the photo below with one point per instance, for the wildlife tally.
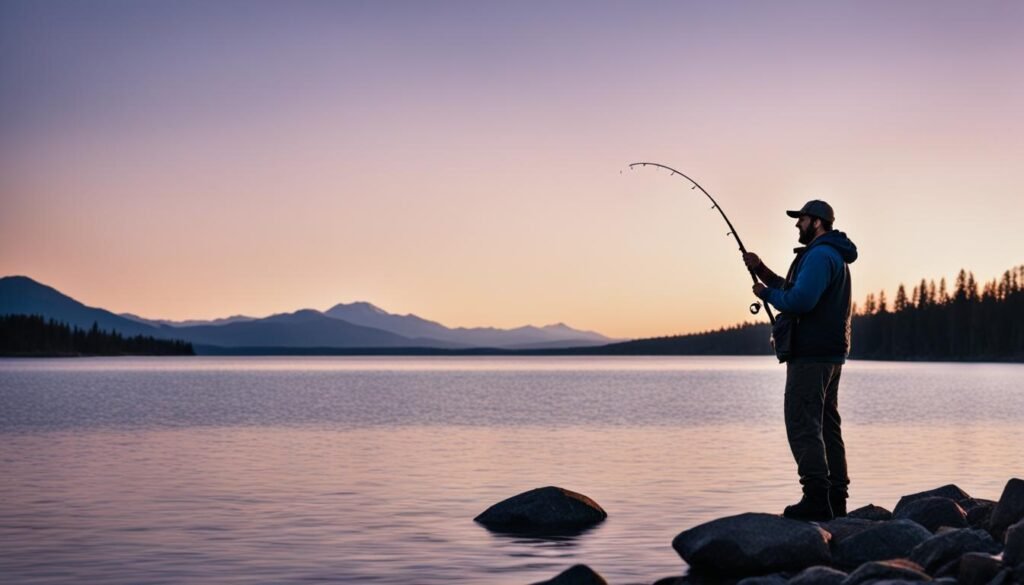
(33, 335)
(972, 322)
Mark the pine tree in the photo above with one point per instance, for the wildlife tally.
(900, 304)
(960, 292)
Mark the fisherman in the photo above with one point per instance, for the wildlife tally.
(814, 324)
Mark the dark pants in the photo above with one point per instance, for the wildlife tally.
(812, 425)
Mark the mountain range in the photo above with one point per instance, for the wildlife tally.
(352, 325)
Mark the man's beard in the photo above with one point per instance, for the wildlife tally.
(807, 235)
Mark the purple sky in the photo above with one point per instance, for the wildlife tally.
(461, 160)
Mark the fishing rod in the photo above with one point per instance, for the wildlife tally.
(755, 307)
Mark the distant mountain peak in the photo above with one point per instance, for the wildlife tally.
(188, 322)
(362, 306)
(414, 326)
(23, 295)
(23, 284)
(300, 315)
(15, 278)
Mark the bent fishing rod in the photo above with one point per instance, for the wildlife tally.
(755, 307)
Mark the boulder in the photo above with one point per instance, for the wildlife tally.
(978, 568)
(543, 510)
(576, 575)
(937, 551)
(753, 544)
(933, 512)
(1010, 508)
(950, 492)
(818, 576)
(871, 512)
(895, 569)
(887, 540)
(1013, 552)
(843, 528)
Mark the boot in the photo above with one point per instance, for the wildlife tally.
(837, 500)
(814, 506)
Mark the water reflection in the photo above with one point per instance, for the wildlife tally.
(560, 537)
(382, 505)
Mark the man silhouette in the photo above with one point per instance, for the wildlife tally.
(814, 299)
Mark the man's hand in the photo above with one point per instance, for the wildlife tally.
(759, 290)
(752, 261)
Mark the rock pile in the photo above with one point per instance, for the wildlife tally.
(941, 536)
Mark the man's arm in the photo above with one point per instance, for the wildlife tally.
(766, 275)
(812, 280)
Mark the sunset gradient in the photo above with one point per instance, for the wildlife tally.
(467, 161)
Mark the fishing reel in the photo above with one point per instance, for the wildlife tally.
(755, 308)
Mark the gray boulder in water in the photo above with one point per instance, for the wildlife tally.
(939, 550)
(576, 575)
(880, 571)
(887, 540)
(753, 544)
(543, 510)
(949, 491)
(933, 513)
(1010, 508)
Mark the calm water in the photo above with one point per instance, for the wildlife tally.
(370, 470)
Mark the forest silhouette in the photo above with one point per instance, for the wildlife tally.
(33, 335)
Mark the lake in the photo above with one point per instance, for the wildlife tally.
(370, 470)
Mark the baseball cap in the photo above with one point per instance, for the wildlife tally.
(815, 208)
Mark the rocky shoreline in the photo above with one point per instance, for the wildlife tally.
(943, 536)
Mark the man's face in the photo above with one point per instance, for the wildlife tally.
(807, 227)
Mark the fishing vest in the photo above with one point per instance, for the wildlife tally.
(823, 333)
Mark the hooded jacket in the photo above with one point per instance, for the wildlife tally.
(816, 291)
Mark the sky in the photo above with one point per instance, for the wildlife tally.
(467, 161)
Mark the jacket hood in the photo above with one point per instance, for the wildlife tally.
(838, 240)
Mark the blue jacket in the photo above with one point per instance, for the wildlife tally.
(817, 292)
